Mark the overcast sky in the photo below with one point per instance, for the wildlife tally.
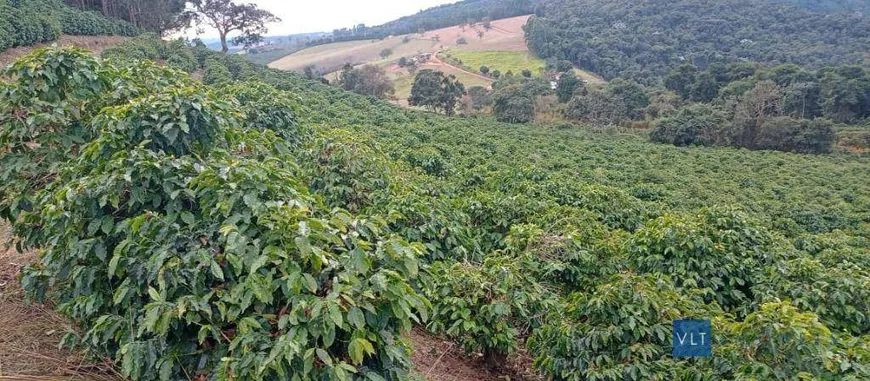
(302, 16)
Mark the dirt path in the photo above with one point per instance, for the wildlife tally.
(436, 61)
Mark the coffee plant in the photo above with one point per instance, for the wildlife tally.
(185, 245)
(487, 307)
(621, 331)
(839, 294)
(780, 342)
(715, 251)
(27, 22)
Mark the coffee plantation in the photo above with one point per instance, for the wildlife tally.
(26, 22)
(260, 225)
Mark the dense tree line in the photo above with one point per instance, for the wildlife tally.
(27, 22)
(150, 15)
(463, 12)
(643, 40)
(783, 108)
(832, 5)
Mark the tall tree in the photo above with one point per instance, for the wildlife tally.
(436, 91)
(226, 16)
(568, 83)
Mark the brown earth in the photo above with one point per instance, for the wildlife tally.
(94, 43)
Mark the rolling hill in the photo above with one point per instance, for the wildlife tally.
(501, 44)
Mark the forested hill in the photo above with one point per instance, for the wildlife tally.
(645, 39)
(832, 5)
(440, 17)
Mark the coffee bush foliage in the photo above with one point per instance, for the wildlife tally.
(839, 293)
(716, 251)
(175, 53)
(621, 331)
(487, 307)
(184, 243)
(779, 341)
(261, 225)
(27, 22)
(267, 108)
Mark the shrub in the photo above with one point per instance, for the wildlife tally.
(796, 135)
(55, 89)
(345, 171)
(216, 73)
(621, 331)
(781, 342)
(184, 245)
(839, 294)
(716, 251)
(149, 47)
(486, 307)
(266, 108)
(513, 105)
(698, 124)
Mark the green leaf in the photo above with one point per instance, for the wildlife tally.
(356, 317)
(188, 218)
(154, 294)
(323, 356)
(310, 283)
(335, 314)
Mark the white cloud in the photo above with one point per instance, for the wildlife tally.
(302, 16)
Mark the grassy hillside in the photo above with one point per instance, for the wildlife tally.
(331, 57)
(505, 35)
(460, 12)
(303, 229)
(499, 60)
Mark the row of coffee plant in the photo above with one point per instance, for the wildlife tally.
(288, 229)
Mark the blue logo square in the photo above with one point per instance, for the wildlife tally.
(692, 338)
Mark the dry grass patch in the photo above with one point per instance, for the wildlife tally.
(31, 332)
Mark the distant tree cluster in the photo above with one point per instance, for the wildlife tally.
(368, 80)
(516, 97)
(643, 40)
